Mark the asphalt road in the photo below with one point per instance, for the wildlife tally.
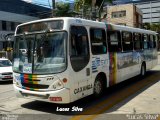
(110, 102)
(6, 90)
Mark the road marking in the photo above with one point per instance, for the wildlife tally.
(115, 99)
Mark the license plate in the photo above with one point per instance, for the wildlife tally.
(7, 76)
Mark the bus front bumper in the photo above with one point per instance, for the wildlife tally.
(58, 96)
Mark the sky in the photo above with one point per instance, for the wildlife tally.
(47, 3)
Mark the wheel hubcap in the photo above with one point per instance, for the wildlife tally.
(98, 87)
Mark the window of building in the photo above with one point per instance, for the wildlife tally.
(0, 25)
(114, 41)
(137, 41)
(79, 48)
(145, 41)
(12, 26)
(118, 14)
(98, 41)
(127, 41)
(4, 25)
(124, 24)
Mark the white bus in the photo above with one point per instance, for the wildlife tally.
(66, 59)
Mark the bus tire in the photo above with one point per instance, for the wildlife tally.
(143, 70)
(98, 86)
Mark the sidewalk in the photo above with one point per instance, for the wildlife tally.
(145, 104)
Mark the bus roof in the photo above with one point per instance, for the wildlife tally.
(80, 21)
(71, 20)
(131, 29)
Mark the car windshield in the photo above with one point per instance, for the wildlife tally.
(5, 63)
(43, 53)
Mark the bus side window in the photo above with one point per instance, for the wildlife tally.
(151, 39)
(98, 41)
(137, 41)
(79, 47)
(114, 41)
(145, 41)
(154, 41)
(127, 41)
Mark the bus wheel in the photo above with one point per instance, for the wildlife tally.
(143, 70)
(98, 86)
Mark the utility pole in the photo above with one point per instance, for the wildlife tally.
(53, 7)
(99, 11)
(53, 4)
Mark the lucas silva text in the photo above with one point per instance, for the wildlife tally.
(74, 108)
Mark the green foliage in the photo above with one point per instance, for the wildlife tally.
(79, 4)
(86, 5)
(63, 10)
(153, 26)
(99, 2)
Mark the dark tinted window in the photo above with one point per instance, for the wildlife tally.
(137, 41)
(98, 41)
(154, 41)
(4, 25)
(79, 48)
(40, 26)
(127, 41)
(145, 41)
(12, 26)
(150, 42)
(114, 41)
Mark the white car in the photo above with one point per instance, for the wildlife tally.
(6, 73)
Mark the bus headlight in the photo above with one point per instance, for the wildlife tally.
(1, 76)
(57, 85)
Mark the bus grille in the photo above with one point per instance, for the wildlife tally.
(34, 86)
(7, 73)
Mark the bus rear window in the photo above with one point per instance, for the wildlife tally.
(40, 26)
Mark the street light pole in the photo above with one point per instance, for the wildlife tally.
(53, 6)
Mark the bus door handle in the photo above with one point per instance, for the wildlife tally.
(87, 71)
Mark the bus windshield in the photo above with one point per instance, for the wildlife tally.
(42, 53)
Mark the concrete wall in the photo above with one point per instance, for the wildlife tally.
(130, 18)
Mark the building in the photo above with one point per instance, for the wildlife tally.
(150, 9)
(14, 12)
(116, 2)
(124, 14)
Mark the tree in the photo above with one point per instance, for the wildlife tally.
(152, 26)
(100, 3)
(79, 4)
(63, 10)
(83, 4)
(155, 27)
